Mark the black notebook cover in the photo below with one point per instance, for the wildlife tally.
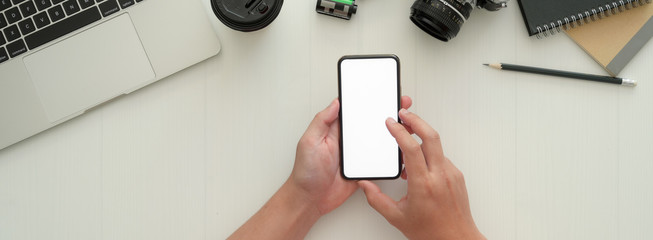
(549, 14)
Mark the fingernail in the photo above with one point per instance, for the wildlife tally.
(402, 113)
(333, 103)
(390, 120)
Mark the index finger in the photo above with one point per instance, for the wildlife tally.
(431, 144)
(414, 160)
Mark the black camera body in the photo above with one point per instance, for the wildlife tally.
(443, 19)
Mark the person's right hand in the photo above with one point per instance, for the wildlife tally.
(436, 205)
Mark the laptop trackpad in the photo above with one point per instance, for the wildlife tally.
(89, 68)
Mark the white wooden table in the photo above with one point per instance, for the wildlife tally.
(195, 155)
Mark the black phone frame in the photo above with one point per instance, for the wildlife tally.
(400, 155)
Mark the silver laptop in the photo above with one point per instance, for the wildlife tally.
(60, 58)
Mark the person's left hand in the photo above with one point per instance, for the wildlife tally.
(316, 174)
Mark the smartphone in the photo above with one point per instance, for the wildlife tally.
(369, 93)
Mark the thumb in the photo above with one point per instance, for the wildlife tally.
(383, 204)
(321, 124)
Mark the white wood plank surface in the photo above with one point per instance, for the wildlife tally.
(195, 155)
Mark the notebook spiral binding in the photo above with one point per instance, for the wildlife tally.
(587, 16)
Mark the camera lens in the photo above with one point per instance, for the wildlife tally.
(441, 19)
(246, 15)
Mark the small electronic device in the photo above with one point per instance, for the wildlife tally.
(369, 93)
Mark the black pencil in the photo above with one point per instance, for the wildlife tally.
(558, 73)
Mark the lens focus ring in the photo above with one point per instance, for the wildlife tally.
(439, 20)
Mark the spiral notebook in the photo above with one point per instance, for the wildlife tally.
(546, 17)
(614, 41)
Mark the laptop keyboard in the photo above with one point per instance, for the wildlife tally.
(28, 24)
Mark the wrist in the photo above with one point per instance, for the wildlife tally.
(287, 215)
(449, 233)
(298, 203)
(471, 234)
(477, 236)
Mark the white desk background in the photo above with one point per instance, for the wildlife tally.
(195, 155)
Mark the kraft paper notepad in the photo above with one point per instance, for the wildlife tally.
(614, 40)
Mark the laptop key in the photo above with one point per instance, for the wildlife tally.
(16, 48)
(56, 13)
(86, 3)
(126, 3)
(43, 4)
(13, 15)
(3, 55)
(3, 21)
(28, 9)
(11, 33)
(70, 7)
(4, 4)
(2, 39)
(63, 27)
(27, 26)
(109, 7)
(41, 20)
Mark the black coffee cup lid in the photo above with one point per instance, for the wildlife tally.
(246, 15)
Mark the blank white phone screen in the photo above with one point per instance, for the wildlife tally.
(369, 90)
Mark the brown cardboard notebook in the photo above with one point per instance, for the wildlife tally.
(613, 41)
